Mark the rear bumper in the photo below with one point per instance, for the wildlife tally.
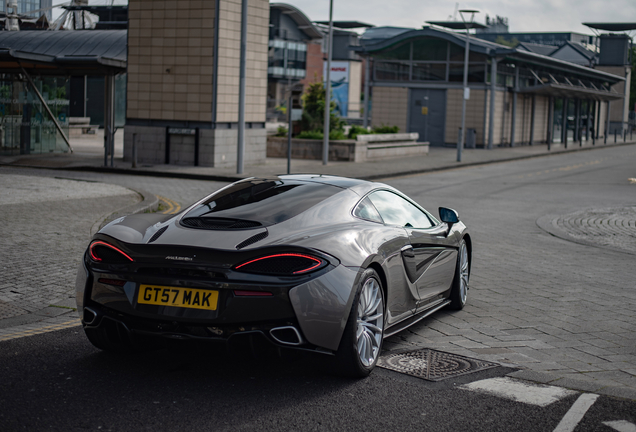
(310, 315)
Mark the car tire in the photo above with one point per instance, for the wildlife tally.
(361, 343)
(459, 289)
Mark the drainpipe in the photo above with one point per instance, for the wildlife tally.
(493, 92)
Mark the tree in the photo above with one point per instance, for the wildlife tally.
(509, 43)
(314, 110)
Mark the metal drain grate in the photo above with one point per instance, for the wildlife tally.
(432, 365)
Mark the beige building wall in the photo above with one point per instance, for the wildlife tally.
(619, 109)
(474, 113)
(355, 88)
(171, 73)
(170, 60)
(390, 107)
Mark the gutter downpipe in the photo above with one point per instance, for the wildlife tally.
(367, 69)
(215, 60)
(493, 91)
(514, 109)
(46, 107)
(241, 126)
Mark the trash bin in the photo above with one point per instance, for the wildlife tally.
(471, 138)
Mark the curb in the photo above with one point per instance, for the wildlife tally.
(231, 179)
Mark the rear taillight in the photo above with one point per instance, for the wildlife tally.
(282, 264)
(106, 253)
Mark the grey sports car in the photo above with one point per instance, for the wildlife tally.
(320, 263)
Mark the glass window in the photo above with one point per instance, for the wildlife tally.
(430, 49)
(395, 210)
(267, 201)
(429, 72)
(457, 54)
(366, 210)
(396, 52)
(391, 71)
(476, 72)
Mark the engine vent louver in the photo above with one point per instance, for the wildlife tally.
(156, 235)
(255, 238)
(218, 223)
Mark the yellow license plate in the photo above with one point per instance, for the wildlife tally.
(178, 297)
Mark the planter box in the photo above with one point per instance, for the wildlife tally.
(364, 148)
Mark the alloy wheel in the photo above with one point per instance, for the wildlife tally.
(370, 322)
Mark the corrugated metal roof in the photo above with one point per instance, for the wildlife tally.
(98, 50)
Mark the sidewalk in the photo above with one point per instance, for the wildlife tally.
(89, 156)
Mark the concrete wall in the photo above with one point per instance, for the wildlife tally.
(217, 147)
(474, 113)
(390, 107)
(619, 109)
(170, 79)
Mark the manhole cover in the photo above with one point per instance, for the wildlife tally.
(432, 365)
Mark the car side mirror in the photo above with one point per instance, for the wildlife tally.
(449, 216)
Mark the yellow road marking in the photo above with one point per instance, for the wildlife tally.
(173, 206)
(45, 329)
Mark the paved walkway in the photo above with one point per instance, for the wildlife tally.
(88, 155)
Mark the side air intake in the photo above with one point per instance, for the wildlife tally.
(156, 235)
(255, 238)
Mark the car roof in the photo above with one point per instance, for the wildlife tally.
(342, 182)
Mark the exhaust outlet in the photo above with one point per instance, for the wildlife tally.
(287, 335)
(90, 316)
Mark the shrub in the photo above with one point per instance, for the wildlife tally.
(336, 134)
(314, 134)
(385, 129)
(357, 130)
(281, 131)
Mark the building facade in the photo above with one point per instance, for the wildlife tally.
(515, 96)
(183, 82)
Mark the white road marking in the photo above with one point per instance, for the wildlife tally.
(621, 426)
(576, 413)
(519, 391)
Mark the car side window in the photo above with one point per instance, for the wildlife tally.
(366, 210)
(395, 210)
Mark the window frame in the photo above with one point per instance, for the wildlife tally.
(434, 221)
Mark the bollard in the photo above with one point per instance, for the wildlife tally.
(615, 130)
(605, 137)
(134, 151)
(624, 135)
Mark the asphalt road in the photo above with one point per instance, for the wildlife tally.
(559, 311)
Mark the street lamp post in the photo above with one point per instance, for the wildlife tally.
(466, 95)
(325, 143)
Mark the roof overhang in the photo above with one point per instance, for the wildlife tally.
(299, 18)
(564, 90)
(87, 52)
(612, 26)
(457, 25)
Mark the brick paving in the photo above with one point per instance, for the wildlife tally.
(562, 312)
(46, 224)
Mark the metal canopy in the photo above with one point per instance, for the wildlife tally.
(612, 26)
(347, 24)
(564, 90)
(81, 52)
(457, 25)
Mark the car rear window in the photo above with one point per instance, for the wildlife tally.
(266, 201)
